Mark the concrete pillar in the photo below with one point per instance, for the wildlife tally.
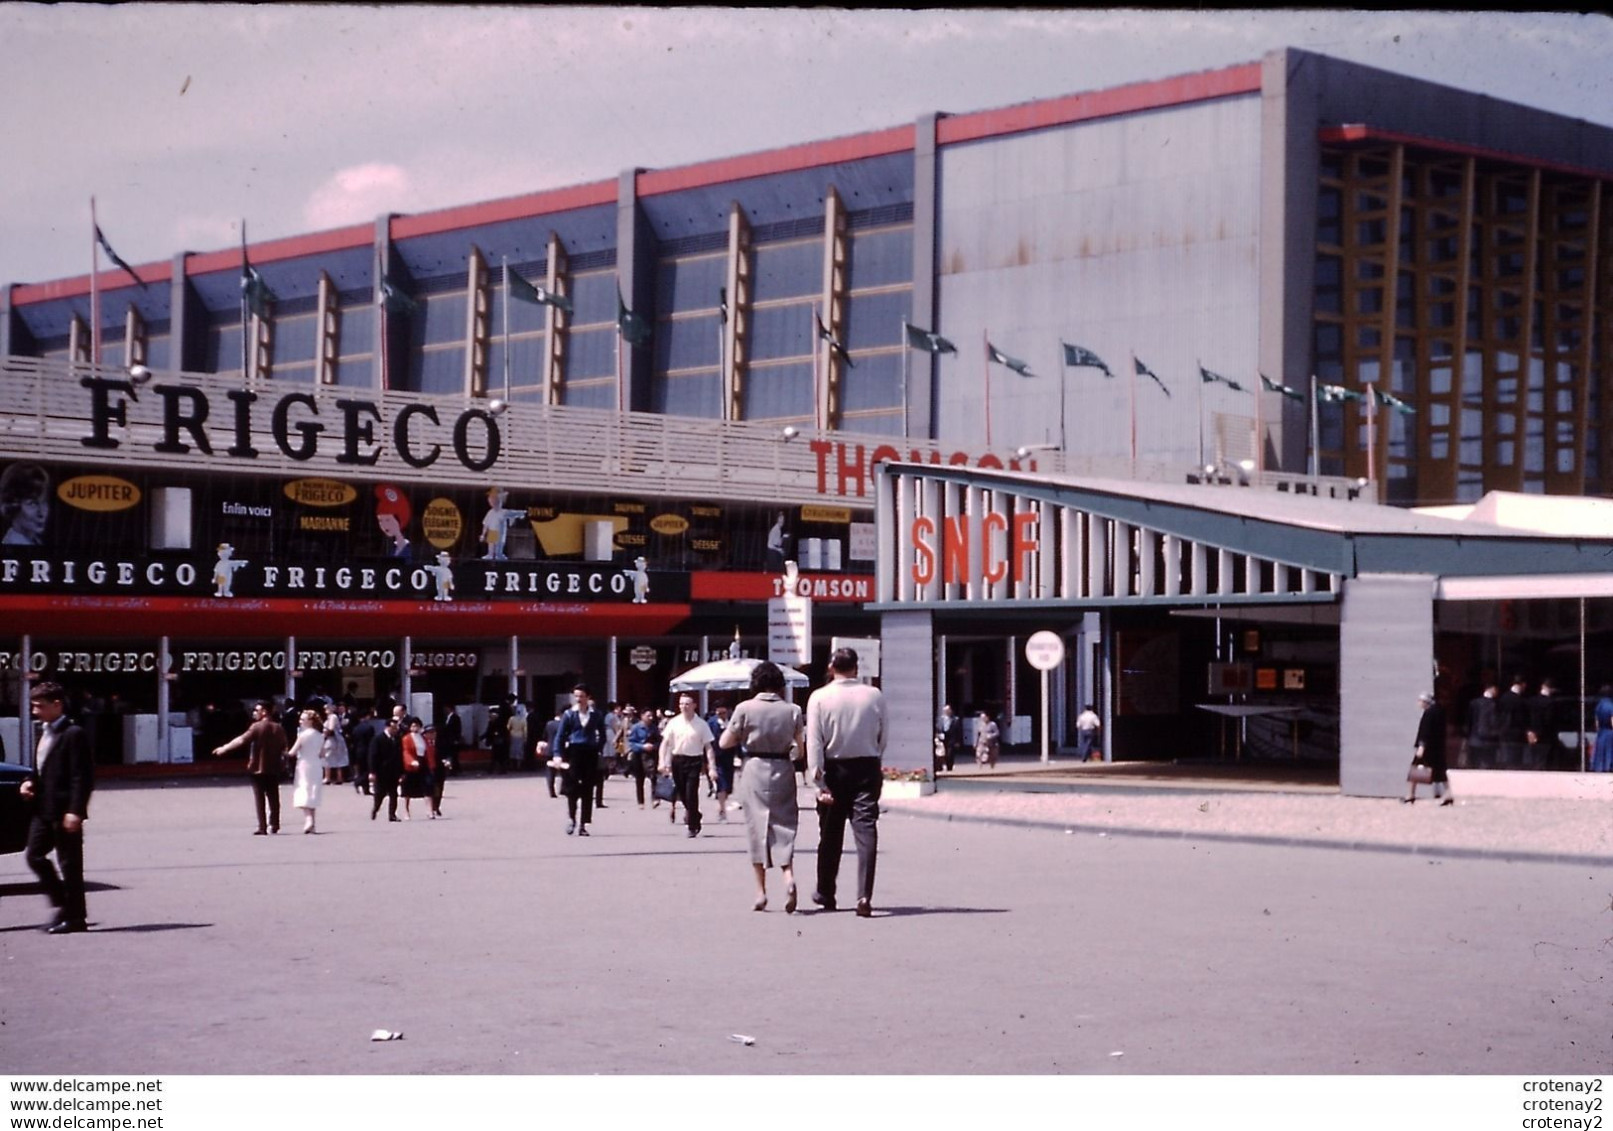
(907, 678)
(1386, 657)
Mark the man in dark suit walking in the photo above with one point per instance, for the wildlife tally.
(580, 739)
(60, 787)
(386, 768)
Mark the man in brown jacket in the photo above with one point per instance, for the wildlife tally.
(265, 744)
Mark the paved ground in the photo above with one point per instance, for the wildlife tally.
(1280, 806)
(499, 945)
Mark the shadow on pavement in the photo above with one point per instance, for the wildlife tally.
(34, 888)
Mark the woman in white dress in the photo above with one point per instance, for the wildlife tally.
(336, 756)
(309, 751)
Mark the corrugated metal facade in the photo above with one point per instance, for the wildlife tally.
(1131, 234)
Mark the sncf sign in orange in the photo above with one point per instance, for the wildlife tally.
(992, 543)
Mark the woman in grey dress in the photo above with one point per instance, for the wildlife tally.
(765, 728)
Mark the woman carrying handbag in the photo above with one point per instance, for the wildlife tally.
(1429, 763)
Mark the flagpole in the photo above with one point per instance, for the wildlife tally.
(95, 288)
(985, 339)
(1316, 433)
(1133, 415)
(1260, 427)
(907, 348)
(1200, 363)
(1064, 381)
(245, 372)
(504, 260)
(1372, 437)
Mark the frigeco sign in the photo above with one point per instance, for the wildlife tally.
(230, 576)
(191, 421)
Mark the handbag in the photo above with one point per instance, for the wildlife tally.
(664, 789)
(1421, 773)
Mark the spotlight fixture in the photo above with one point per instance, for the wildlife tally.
(139, 374)
(498, 406)
(789, 433)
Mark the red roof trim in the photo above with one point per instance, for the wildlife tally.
(812, 155)
(292, 247)
(509, 208)
(114, 279)
(1357, 133)
(1129, 99)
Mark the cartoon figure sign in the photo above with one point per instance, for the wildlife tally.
(496, 524)
(641, 581)
(224, 570)
(443, 574)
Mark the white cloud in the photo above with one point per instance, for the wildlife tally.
(358, 193)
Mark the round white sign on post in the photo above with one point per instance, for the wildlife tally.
(1044, 650)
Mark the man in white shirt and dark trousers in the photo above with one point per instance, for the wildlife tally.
(686, 753)
(845, 740)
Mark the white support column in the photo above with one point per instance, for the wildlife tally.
(1223, 570)
(1047, 526)
(1173, 566)
(906, 512)
(514, 683)
(163, 697)
(974, 588)
(1198, 586)
(1097, 555)
(1120, 582)
(291, 667)
(955, 504)
(930, 507)
(1147, 546)
(1070, 556)
(886, 575)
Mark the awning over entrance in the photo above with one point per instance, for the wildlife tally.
(206, 618)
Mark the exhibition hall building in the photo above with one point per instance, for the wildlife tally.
(1152, 368)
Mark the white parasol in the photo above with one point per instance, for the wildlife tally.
(730, 675)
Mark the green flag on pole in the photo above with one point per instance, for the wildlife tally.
(541, 296)
(100, 238)
(1144, 371)
(631, 326)
(1333, 394)
(835, 346)
(927, 340)
(996, 355)
(1211, 377)
(394, 298)
(1389, 400)
(1079, 355)
(1278, 387)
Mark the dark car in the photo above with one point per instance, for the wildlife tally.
(14, 811)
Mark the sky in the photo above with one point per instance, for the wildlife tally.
(183, 120)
